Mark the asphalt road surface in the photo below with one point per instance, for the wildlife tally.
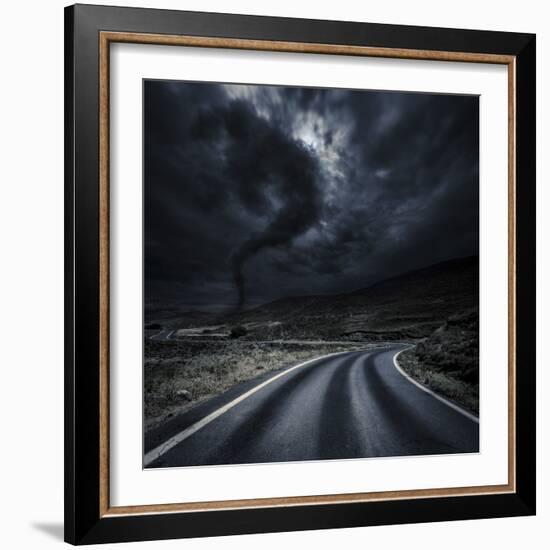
(349, 405)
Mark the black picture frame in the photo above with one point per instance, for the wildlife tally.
(84, 522)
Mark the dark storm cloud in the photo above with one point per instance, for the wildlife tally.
(300, 191)
(266, 168)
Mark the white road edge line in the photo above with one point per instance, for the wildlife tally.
(181, 436)
(463, 412)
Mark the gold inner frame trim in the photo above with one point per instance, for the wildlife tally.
(105, 39)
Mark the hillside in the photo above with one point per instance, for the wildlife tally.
(410, 306)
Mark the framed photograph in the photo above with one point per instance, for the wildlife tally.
(300, 267)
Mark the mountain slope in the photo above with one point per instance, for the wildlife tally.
(411, 305)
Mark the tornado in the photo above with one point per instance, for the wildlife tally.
(276, 178)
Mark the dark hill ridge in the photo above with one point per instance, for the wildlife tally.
(411, 305)
(453, 268)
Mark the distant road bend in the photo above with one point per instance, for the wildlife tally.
(163, 335)
(344, 405)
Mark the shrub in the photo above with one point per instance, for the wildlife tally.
(238, 331)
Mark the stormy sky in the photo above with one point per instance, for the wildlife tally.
(253, 193)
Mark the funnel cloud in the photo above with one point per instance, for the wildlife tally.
(254, 193)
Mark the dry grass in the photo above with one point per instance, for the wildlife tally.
(447, 361)
(461, 392)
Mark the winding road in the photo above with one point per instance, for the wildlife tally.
(345, 405)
